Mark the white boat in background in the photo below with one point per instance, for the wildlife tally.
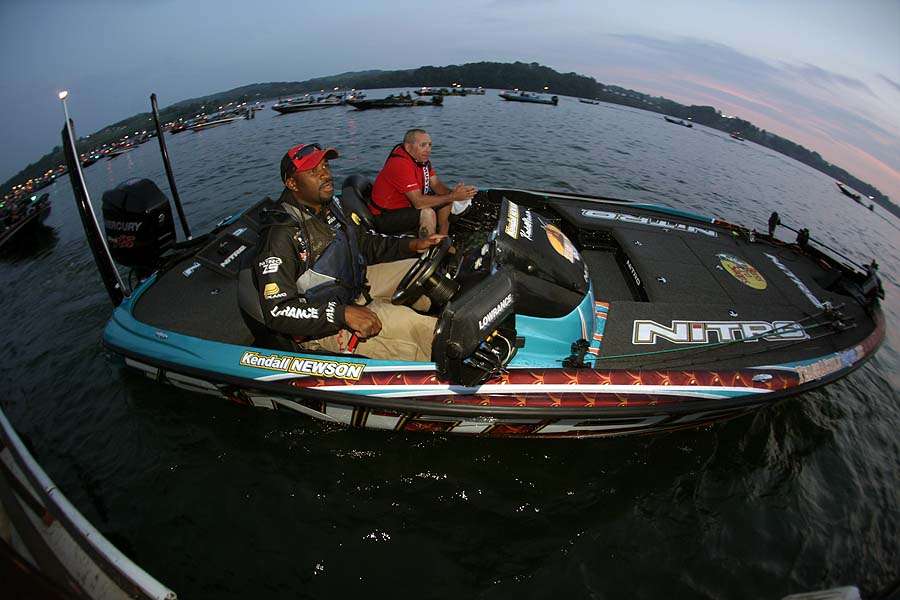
(215, 123)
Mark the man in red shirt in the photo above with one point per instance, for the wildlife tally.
(408, 196)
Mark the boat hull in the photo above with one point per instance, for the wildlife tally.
(27, 223)
(526, 99)
(302, 107)
(522, 403)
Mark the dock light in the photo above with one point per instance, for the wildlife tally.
(546, 88)
(63, 94)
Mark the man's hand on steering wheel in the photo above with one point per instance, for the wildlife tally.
(421, 245)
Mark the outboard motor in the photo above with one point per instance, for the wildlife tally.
(475, 337)
(139, 225)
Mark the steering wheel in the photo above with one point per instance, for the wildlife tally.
(413, 283)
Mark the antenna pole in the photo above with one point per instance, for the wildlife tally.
(168, 165)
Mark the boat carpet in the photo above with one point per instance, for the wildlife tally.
(202, 304)
(606, 276)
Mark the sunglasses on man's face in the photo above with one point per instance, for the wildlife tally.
(306, 151)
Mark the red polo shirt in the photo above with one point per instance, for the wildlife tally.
(399, 175)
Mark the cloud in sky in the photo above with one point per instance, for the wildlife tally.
(890, 82)
(840, 116)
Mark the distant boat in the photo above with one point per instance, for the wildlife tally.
(304, 105)
(453, 91)
(846, 191)
(516, 96)
(401, 101)
(678, 121)
(588, 101)
(737, 136)
(90, 159)
(215, 123)
(114, 152)
(23, 216)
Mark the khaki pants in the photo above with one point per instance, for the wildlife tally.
(405, 334)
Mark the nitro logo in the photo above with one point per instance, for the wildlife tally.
(296, 312)
(495, 312)
(303, 366)
(270, 265)
(232, 256)
(637, 280)
(698, 332)
(626, 218)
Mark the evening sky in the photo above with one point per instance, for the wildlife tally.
(825, 74)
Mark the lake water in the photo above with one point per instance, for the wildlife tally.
(222, 501)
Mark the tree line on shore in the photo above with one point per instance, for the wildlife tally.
(524, 76)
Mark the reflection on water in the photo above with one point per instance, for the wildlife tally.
(218, 500)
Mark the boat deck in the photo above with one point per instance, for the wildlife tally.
(687, 277)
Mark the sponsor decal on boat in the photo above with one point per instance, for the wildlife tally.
(240, 230)
(303, 366)
(512, 221)
(698, 332)
(495, 312)
(634, 274)
(742, 271)
(652, 222)
(232, 256)
(790, 274)
(271, 291)
(526, 229)
(329, 311)
(561, 243)
(295, 312)
(190, 270)
(831, 364)
(270, 265)
(129, 226)
(121, 241)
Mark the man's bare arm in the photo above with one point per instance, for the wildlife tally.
(460, 192)
(438, 186)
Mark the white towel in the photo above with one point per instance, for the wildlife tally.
(459, 206)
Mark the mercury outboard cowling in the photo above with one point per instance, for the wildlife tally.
(138, 221)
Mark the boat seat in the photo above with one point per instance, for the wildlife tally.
(356, 193)
(251, 311)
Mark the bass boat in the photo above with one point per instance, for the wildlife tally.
(558, 315)
(529, 97)
(678, 122)
(22, 216)
(304, 105)
(846, 191)
(401, 101)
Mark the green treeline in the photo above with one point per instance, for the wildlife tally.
(524, 76)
